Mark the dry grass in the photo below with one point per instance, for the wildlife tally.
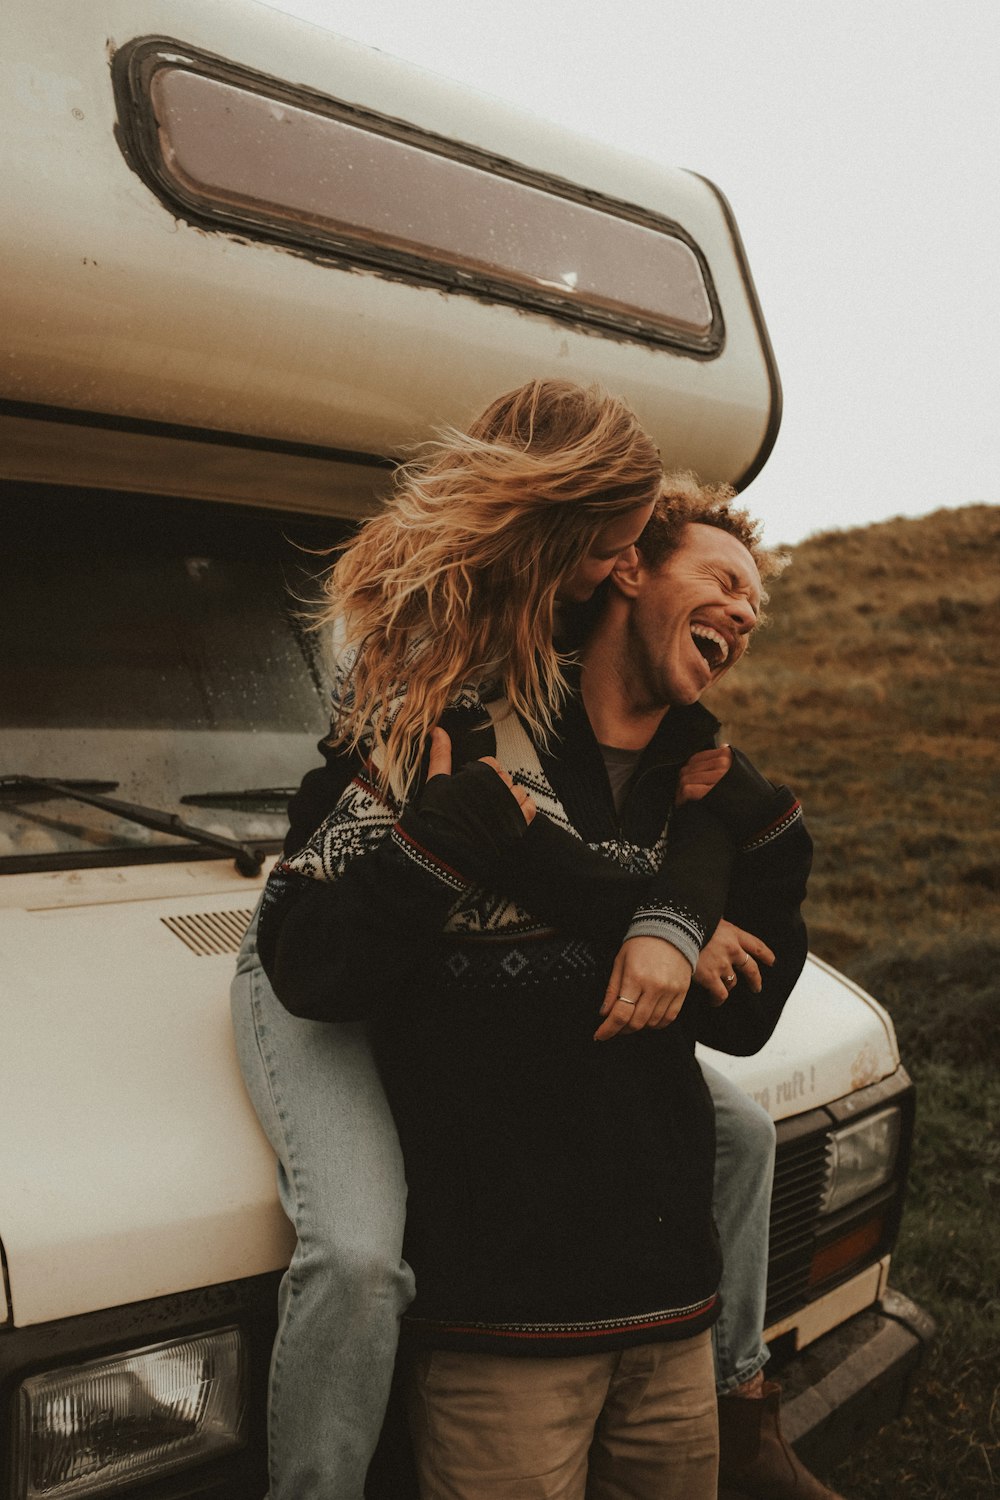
(876, 694)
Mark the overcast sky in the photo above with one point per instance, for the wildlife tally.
(859, 144)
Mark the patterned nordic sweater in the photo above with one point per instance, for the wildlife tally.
(559, 1189)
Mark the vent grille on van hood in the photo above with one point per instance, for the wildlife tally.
(207, 933)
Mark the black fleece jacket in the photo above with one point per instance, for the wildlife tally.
(539, 1162)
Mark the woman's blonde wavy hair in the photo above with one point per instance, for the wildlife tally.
(454, 582)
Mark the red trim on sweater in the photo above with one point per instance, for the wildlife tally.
(486, 1331)
(788, 813)
(428, 855)
(368, 781)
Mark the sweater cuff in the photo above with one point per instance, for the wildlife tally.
(466, 824)
(680, 928)
(746, 802)
(775, 829)
(425, 860)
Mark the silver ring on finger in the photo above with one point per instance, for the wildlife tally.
(729, 979)
(746, 960)
(622, 1001)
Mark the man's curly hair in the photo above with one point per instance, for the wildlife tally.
(685, 501)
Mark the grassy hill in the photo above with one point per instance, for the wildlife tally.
(875, 693)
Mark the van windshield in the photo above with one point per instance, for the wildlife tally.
(155, 647)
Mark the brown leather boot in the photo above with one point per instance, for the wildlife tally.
(756, 1462)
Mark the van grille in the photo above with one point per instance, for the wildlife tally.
(800, 1174)
(207, 933)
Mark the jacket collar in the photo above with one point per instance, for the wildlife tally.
(680, 732)
(575, 768)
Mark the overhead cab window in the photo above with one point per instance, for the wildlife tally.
(235, 149)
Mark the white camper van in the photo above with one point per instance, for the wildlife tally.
(245, 266)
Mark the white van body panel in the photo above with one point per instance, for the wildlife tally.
(75, 453)
(832, 1039)
(112, 304)
(143, 1170)
(161, 1179)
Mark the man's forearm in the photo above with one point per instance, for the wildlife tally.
(766, 894)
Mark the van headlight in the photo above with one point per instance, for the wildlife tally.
(862, 1157)
(92, 1428)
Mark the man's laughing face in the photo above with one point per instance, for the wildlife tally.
(692, 618)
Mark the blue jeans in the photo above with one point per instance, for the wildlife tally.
(340, 1179)
(744, 1172)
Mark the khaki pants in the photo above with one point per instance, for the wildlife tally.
(638, 1424)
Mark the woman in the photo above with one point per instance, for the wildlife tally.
(454, 584)
(456, 581)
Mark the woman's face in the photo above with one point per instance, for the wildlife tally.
(615, 539)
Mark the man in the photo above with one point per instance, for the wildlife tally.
(560, 1192)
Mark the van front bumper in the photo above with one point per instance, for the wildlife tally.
(847, 1384)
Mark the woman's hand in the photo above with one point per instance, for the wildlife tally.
(649, 980)
(730, 955)
(701, 773)
(439, 764)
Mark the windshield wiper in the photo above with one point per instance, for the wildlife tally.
(248, 861)
(36, 789)
(269, 795)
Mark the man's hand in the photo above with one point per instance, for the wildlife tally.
(439, 764)
(730, 955)
(701, 773)
(648, 983)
